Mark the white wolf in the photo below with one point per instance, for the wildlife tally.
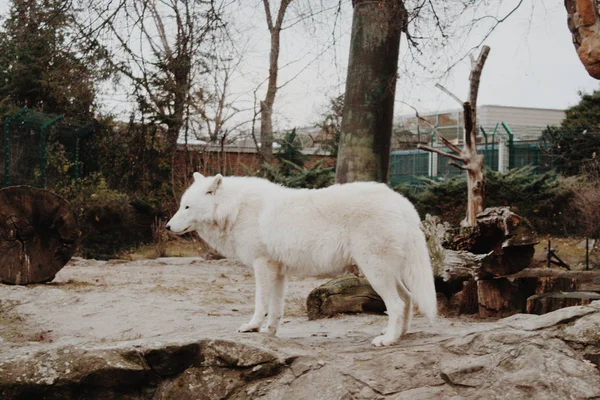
(280, 231)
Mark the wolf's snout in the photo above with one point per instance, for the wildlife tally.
(168, 227)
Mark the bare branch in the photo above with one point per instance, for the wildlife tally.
(449, 93)
(440, 152)
(268, 15)
(463, 167)
(437, 132)
(475, 76)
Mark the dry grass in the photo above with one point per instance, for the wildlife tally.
(173, 248)
(295, 306)
(10, 321)
(73, 284)
(570, 250)
(169, 289)
(160, 238)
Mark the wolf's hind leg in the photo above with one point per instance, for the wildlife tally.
(380, 276)
(408, 306)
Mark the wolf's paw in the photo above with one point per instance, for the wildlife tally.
(383, 340)
(269, 330)
(248, 328)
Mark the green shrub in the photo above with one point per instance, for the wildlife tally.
(543, 199)
(109, 221)
(315, 177)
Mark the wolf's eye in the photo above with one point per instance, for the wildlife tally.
(210, 192)
(186, 207)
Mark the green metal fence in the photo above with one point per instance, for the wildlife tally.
(407, 166)
(26, 137)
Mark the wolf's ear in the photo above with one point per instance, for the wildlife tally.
(215, 185)
(197, 176)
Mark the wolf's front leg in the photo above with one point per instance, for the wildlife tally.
(262, 293)
(276, 301)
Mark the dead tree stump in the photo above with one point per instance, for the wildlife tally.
(38, 235)
(344, 294)
(499, 298)
(465, 301)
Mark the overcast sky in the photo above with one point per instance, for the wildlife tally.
(532, 63)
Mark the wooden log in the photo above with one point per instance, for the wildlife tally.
(547, 302)
(502, 243)
(589, 279)
(38, 235)
(465, 301)
(499, 298)
(462, 265)
(344, 294)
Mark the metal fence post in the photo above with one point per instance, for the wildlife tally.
(43, 128)
(511, 152)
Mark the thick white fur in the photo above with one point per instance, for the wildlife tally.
(280, 231)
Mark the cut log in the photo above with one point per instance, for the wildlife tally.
(547, 302)
(585, 280)
(38, 235)
(343, 294)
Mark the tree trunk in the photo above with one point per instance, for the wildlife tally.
(38, 235)
(370, 89)
(266, 106)
(583, 21)
(474, 166)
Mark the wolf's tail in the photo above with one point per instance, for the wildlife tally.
(417, 275)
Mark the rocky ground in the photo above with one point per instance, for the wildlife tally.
(166, 329)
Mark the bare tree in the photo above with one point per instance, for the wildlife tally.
(472, 162)
(162, 48)
(584, 23)
(221, 107)
(266, 105)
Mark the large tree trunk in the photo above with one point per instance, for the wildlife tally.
(370, 90)
(584, 23)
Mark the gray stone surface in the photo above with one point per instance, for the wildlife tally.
(185, 352)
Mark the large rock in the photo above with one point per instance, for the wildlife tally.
(584, 24)
(551, 356)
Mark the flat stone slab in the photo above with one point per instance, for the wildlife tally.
(168, 331)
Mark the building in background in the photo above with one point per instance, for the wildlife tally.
(525, 122)
(508, 137)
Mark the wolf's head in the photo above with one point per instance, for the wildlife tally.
(198, 204)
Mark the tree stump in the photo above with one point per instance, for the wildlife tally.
(547, 302)
(499, 298)
(343, 294)
(465, 301)
(38, 235)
